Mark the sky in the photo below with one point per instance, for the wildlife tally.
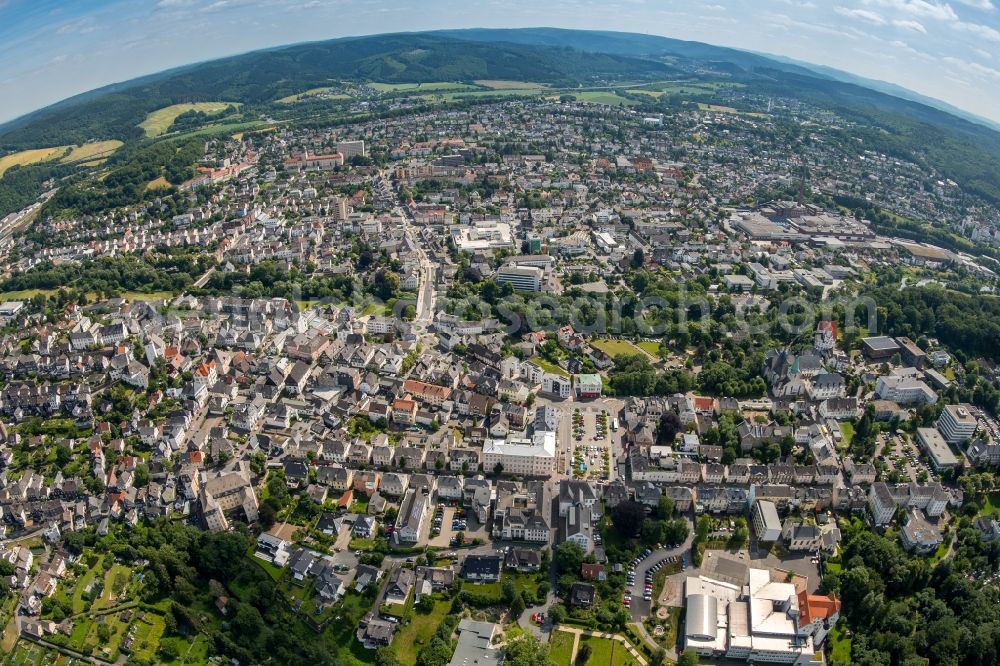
(52, 49)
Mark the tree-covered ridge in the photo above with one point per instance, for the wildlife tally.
(263, 76)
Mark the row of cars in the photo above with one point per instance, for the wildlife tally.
(647, 592)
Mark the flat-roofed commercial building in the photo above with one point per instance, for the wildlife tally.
(937, 450)
(880, 346)
(757, 619)
(527, 457)
(522, 278)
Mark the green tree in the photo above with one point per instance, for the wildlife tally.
(688, 658)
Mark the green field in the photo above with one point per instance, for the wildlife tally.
(159, 121)
(606, 652)
(615, 348)
(651, 348)
(550, 368)
(847, 431)
(408, 640)
(509, 85)
(421, 87)
(147, 636)
(561, 648)
(603, 97)
(79, 603)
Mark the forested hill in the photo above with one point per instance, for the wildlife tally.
(966, 152)
(263, 76)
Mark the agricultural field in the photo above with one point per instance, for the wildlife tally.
(26, 157)
(312, 92)
(92, 151)
(420, 87)
(603, 97)
(159, 121)
(509, 85)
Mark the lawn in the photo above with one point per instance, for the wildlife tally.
(523, 581)
(615, 348)
(159, 121)
(147, 636)
(651, 348)
(991, 505)
(116, 584)
(92, 150)
(418, 632)
(550, 368)
(603, 97)
(561, 648)
(847, 433)
(606, 652)
(79, 603)
(840, 647)
(33, 156)
(272, 570)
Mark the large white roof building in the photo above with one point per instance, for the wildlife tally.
(758, 621)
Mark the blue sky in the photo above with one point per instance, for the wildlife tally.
(51, 49)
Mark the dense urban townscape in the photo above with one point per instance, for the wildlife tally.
(534, 376)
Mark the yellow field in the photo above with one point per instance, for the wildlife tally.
(91, 151)
(157, 122)
(508, 85)
(26, 157)
(159, 182)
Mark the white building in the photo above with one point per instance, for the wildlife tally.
(522, 278)
(904, 390)
(957, 423)
(760, 620)
(526, 457)
(766, 524)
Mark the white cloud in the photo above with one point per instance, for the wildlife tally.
(984, 31)
(910, 24)
(172, 4)
(930, 9)
(985, 5)
(80, 26)
(972, 67)
(863, 14)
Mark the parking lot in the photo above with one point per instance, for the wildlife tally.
(905, 458)
(443, 519)
(592, 443)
